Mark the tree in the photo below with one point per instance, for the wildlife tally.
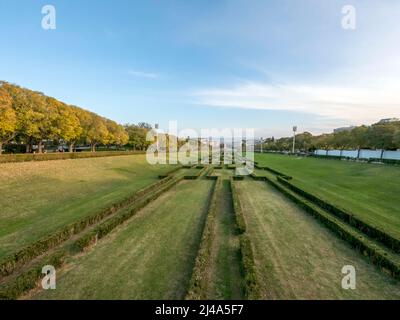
(8, 118)
(69, 127)
(137, 136)
(97, 132)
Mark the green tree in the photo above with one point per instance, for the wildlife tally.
(8, 118)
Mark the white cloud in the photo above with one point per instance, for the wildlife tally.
(357, 104)
(142, 74)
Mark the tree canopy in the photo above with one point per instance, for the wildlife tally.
(31, 117)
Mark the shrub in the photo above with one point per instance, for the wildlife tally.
(195, 176)
(252, 288)
(198, 282)
(28, 279)
(22, 157)
(240, 220)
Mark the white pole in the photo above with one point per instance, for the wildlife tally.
(294, 138)
(261, 148)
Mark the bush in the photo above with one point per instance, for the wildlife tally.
(28, 280)
(198, 282)
(195, 176)
(252, 288)
(240, 220)
(349, 218)
(238, 177)
(22, 157)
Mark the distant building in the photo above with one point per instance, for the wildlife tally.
(388, 120)
(343, 129)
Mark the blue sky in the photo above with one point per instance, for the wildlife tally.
(211, 64)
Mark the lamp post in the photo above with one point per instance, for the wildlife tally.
(261, 145)
(294, 137)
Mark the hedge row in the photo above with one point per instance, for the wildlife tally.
(238, 177)
(252, 288)
(198, 282)
(284, 176)
(369, 230)
(240, 221)
(386, 161)
(22, 157)
(23, 256)
(28, 280)
(379, 256)
(210, 175)
(107, 226)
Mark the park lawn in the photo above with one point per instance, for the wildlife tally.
(298, 258)
(369, 191)
(151, 256)
(38, 198)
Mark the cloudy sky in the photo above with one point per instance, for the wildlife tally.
(211, 64)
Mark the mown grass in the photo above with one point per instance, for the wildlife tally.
(226, 281)
(370, 191)
(297, 258)
(149, 257)
(38, 198)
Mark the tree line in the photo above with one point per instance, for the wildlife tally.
(377, 136)
(32, 118)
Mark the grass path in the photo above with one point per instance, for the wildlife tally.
(226, 279)
(38, 198)
(149, 257)
(297, 258)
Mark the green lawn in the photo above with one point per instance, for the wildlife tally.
(297, 258)
(370, 191)
(37, 198)
(149, 257)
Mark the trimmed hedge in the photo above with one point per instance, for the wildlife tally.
(195, 176)
(198, 282)
(240, 221)
(23, 256)
(165, 175)
(385, 161)
(238, 177)
(371, 231)
(378, 255)
(252, 288)
(23, 157)
(107, 226)
(28, 280)
(284, 176)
